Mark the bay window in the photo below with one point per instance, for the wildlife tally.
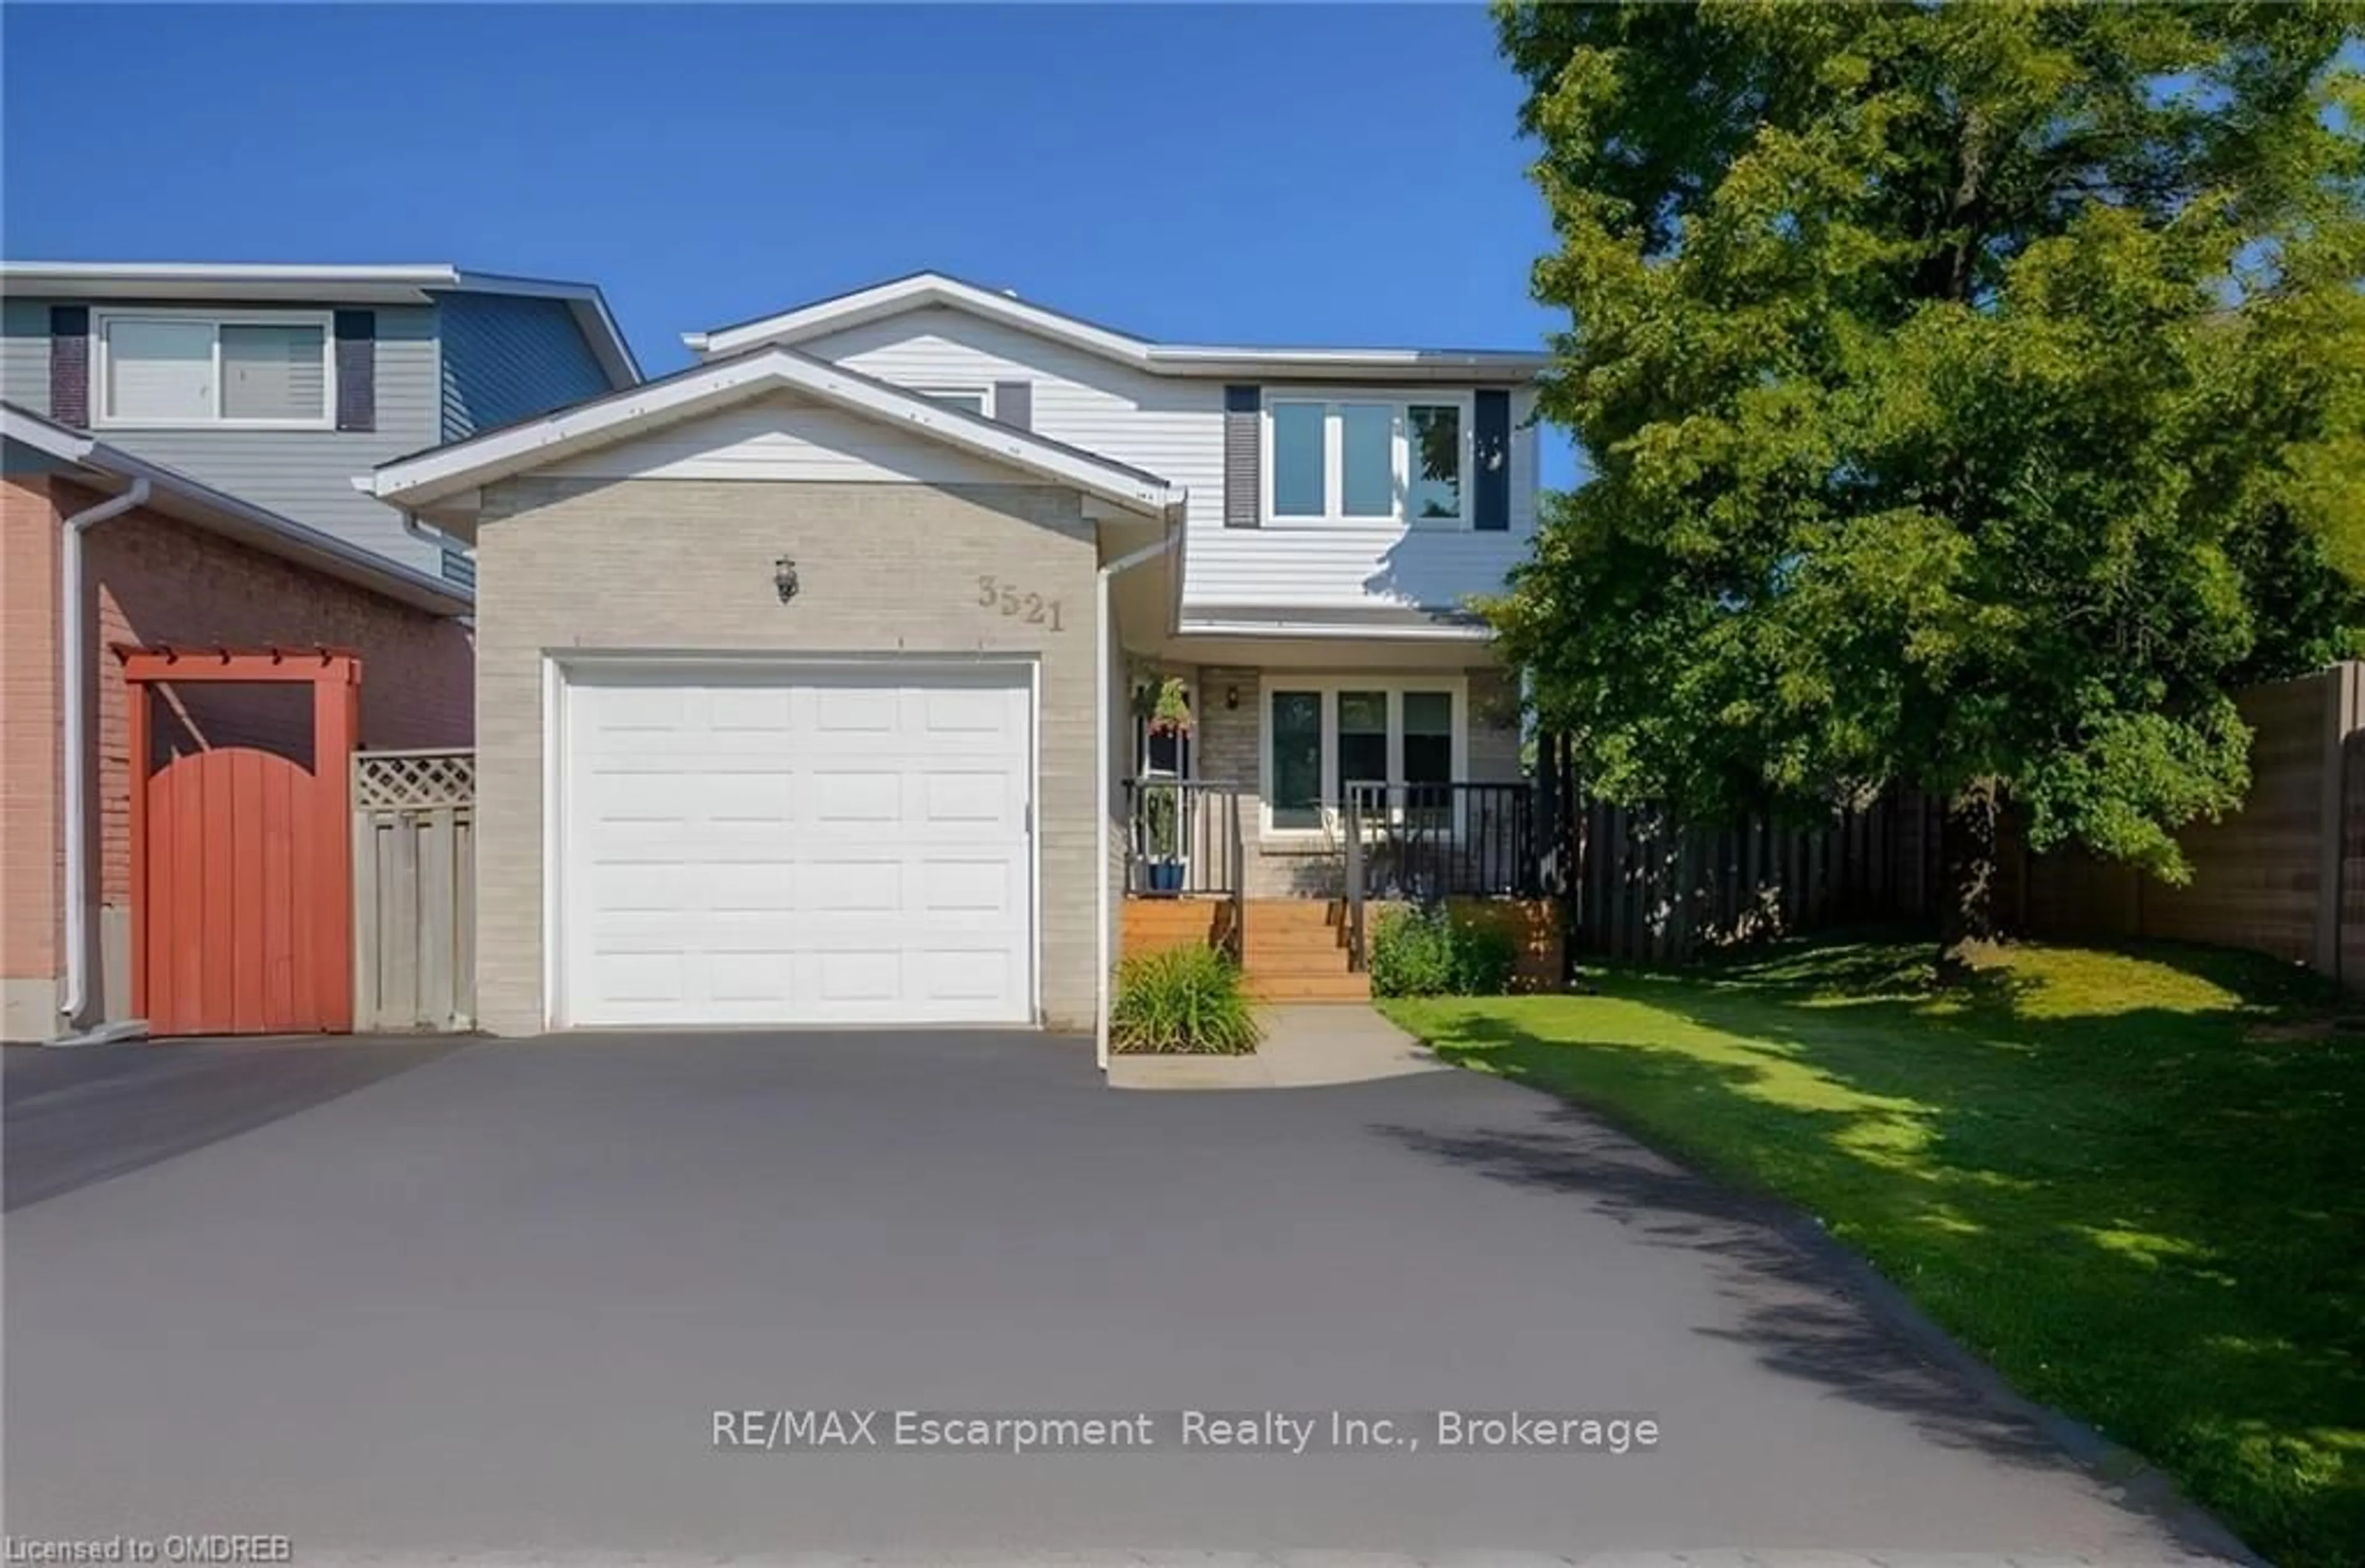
(1366, 459)
(264, 371)
(1322, 734)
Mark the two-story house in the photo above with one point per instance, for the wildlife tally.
(180, 447)
(858, 672)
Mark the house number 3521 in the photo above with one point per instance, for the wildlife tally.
(993, 593)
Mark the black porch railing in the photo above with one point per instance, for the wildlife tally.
(1184, 838)
(1423, 842)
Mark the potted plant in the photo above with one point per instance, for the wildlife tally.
(1162, 836)
(1163, 704)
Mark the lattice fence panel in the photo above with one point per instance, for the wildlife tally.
(413, 780)
(414, 891)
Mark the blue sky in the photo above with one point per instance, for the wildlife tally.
(1309, 174)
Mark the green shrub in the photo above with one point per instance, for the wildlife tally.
(1431, 952)
(1483, 957)
(1411, 952)
(1185, 998)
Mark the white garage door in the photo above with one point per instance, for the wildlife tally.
(755, 846)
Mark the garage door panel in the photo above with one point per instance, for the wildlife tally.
(836, 886)
(965, 974)
(629, 978)
(947, 713)
(952, 889)
(843, 797)
(966, 797)
(749, 977)
(853, 710)
(760, 710)
(786, 847)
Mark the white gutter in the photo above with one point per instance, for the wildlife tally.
(1446, 632)
(1100, 686)
(74, 627)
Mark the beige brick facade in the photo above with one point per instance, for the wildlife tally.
(686, 564)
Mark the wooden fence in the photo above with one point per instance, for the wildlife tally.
(1644, 886)
(2278, 876)
(414, 891)
(2284, 876)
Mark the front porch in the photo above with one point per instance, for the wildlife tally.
(1276, 786)
(1191, 874)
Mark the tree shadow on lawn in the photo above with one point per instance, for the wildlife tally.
(2139, 1198)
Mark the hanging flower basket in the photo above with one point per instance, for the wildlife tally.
(1170, 715)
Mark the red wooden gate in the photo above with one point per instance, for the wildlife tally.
(241, 856)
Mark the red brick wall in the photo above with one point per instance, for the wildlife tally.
(163, 581)
(159, 580)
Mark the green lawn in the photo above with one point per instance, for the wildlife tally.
(2133, 1180)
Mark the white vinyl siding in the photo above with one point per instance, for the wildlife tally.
(185, 370)
(1173, 426)
(784, 438)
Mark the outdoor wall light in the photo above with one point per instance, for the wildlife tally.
(1231, 697)
(784, 577)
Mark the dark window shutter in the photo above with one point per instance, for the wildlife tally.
(69, 364)
(1243, 456)
(357, 370)
(1014, 403)
(1491, 486)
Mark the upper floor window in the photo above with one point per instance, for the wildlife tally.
(270, 371)
(1358, 459)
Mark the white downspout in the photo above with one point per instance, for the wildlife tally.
(1103, 682)
(74, 671)
(426, 532)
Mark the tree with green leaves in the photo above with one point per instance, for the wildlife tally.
(1974, 396)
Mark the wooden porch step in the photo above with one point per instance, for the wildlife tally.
(1327, 960)
(1174, 917)
(1309, 987)
(1265, 939)
(1294, 961)
(1295, 914)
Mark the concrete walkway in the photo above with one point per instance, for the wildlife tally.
(1306, 1046)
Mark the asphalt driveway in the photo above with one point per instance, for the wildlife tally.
(383, 1297)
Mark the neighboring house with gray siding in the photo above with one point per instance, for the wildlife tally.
(278, 384)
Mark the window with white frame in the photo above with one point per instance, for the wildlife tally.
(264, 371)
(1363, 459)
(1323, 734)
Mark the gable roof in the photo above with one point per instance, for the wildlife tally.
(175, 495)
(925, 289)
(439, 472)
(399, 284)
